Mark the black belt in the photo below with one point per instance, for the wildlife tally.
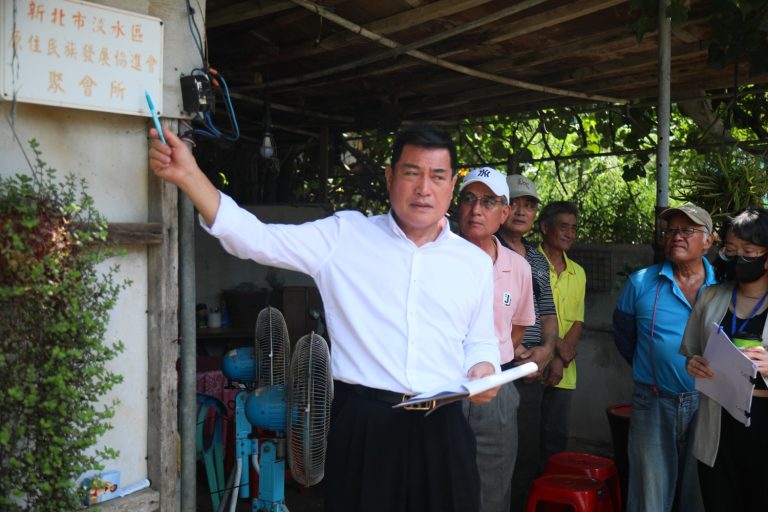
(382, 395)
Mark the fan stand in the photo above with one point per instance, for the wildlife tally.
(271, 462)
(271, 477)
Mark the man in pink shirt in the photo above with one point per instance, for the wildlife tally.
(483, 207)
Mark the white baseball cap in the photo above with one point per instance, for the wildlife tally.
(491, 177)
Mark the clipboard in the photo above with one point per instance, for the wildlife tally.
(465, 388)
(735, 376)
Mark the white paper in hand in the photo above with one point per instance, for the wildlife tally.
(734, 378)
(465, 388)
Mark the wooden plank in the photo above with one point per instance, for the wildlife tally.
(551, 17)
(163, 334)
(446, 34)
(249, 10)
(353, 27)
(135, 234)
(395, 23)
(147, 500)
(245, 11)
(425, 13)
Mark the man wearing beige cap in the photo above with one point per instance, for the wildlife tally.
(483, 206)
(648, 325)
(539, 340)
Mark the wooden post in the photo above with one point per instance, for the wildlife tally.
(163, 335)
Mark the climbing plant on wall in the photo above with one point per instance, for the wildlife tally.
(55, 298)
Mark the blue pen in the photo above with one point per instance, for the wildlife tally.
(154, 117)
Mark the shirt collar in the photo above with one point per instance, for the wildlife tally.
(568, 264)
(397, 230)
(709, 272)
(503, 261)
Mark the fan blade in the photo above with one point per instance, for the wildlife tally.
(310, 393)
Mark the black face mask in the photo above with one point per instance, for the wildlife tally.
(748, 271)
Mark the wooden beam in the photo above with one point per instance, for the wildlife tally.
(287, 108)
(569, 11)
(135, 234)
(450, 65)
(446, 34)
(395, 23)
(245, 11)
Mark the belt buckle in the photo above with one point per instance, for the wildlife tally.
(422, 406)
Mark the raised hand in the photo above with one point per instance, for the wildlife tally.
(174, 163)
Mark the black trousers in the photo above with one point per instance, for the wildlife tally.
(739, 478)
(384, 459)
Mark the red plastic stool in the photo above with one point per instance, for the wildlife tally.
(583, 493)
(585, 464)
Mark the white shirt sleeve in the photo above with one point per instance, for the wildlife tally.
(300, 247)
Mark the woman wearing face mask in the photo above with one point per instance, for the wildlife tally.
(733, 471)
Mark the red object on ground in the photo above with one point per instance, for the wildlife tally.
(583, 493)
(593, 466)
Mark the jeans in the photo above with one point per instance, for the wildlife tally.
(662, 471)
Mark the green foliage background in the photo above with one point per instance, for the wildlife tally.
(603, 160)
(53, 373)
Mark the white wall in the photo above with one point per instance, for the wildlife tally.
(110, 152)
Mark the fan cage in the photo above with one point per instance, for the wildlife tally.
(309, 410)
(272, 348)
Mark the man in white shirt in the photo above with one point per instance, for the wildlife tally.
(483, 208)
(402, 319)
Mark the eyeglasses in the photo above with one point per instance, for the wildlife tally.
(730, 255)
(683, 232)
(486, 202)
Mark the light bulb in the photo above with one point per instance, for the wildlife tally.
(267, 149)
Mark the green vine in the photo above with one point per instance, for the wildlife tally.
(55, 300)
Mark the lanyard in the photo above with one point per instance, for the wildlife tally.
(734, 332)
(655, 387)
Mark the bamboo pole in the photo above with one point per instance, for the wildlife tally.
(362, 31)
(399, 49)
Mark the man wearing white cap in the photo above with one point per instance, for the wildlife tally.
(483, 207)
(648, 325)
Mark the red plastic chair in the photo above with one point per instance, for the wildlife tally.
(583, 493)
(593, 466)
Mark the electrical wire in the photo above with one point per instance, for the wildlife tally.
(196, 37)
(206, 127)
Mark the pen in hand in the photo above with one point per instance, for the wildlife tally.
(154, 117)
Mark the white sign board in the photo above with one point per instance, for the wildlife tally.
(76, 54)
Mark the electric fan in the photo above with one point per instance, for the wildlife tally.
(288, 405)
